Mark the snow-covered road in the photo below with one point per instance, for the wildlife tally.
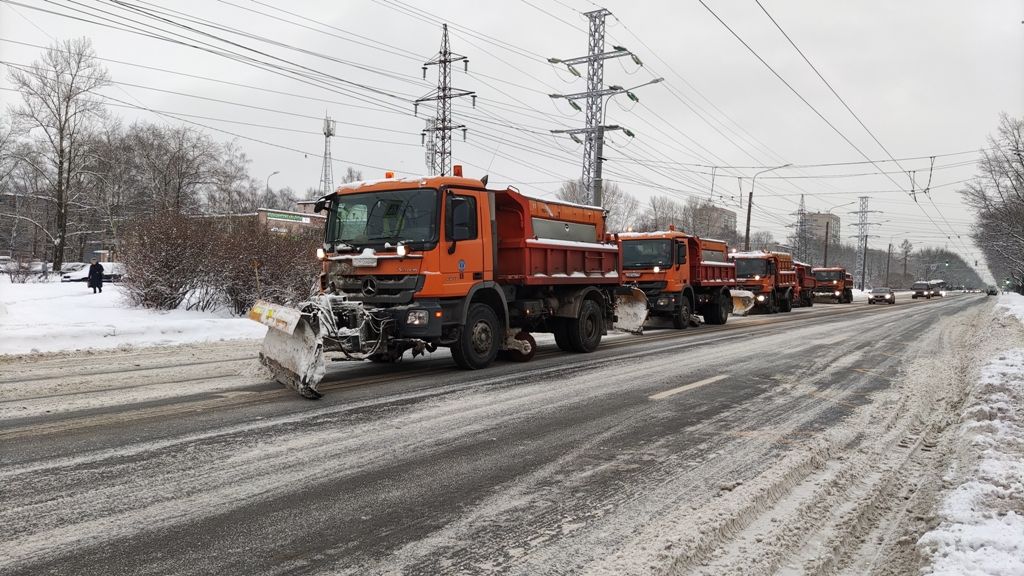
(800, 443)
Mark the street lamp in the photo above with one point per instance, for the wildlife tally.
(268, 179)
(750, 203)
(828, 225)
(597, 132)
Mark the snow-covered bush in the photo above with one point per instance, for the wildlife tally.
(254, 263)
(204, 263)
(166, 259)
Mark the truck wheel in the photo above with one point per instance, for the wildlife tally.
(479, 341)
(584, 331)
(717, 312)
(681, 319)
(848, 296)
(518, 355)
(772, 306)
(786, 303)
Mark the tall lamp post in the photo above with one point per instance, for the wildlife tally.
(267, 186)
(750, 203)
(828, 226)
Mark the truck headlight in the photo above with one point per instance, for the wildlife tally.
(320, 253)
(760, 298)
(657, 269)
(417, 318)
(663, 301)
(837, 293)
(835, 282)
(757, 276)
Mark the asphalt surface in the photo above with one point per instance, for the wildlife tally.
(546, 467)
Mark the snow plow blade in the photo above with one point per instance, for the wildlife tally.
(630, 309)
(292, 350)
(742, 301)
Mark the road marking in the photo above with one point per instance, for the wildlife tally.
(691, 386)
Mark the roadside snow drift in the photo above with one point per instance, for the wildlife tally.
(55, 316)
(981, 529)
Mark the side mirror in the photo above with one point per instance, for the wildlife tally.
(320, 205)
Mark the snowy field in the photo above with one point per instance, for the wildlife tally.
(981, 514)
(56, 316)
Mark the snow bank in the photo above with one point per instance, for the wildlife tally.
(1014, 304)
(55, 316)
(981, 529)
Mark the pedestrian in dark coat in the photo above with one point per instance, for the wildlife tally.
(96, 276)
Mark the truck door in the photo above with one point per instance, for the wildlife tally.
(462, 250)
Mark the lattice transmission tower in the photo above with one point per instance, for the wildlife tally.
(863, 233)
(327, 173)
(441, 130)
(593, 133)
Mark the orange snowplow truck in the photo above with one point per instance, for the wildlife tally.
(418, 264)
(805, 285)
(770, 276)
(680, 274)
(834, 284)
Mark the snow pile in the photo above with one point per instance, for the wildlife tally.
(1014, 304)
(981, 529)
(55, 316)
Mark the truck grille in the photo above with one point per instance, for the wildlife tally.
(380, 289)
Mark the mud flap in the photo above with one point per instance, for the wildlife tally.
(630, 309)
(292, 350)
(742, 301)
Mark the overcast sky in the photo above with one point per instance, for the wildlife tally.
(927, 77)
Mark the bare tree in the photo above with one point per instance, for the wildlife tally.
(997, 196)
(59, 97)
(621, 207)
(351, 175)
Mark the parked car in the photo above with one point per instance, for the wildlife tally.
(883, 295)
(112, 272)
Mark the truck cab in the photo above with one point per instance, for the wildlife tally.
(770, 276)
(834, 283)
(680, 274)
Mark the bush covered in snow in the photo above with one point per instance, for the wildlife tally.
(205, 263)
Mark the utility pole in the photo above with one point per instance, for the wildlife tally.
(888, 259)
(327, 173)
(441, 131)
(828, 225)
(593, 134)
(863, 226)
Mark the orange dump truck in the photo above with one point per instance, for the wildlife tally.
(418, 264)
(770, 276)
(834, 284)
(680, 274)
(805, 285)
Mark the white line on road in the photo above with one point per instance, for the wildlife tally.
(691, 386)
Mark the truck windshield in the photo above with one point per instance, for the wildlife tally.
(646, 253)
(747, 267)
(825, 275)
(378, 217)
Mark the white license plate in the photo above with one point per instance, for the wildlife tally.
(364, 262)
